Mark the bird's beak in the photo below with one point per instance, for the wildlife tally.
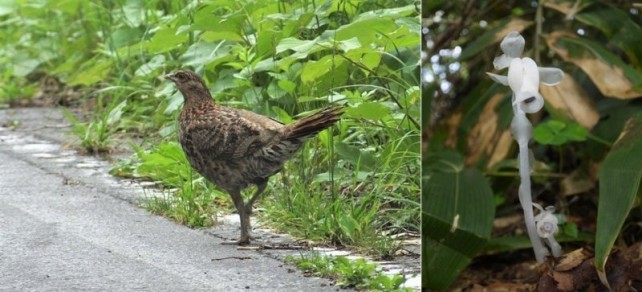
(170, 77)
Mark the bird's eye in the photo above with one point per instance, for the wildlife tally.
(181, 76)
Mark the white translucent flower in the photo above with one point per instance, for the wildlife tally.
(523, 79)
(513, 46)
(523, 74)
(546, 221)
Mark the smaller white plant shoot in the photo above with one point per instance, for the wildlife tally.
(523, 79)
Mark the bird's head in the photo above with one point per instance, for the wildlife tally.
(189, 84)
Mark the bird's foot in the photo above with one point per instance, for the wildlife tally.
(236, 242)
(241, 242)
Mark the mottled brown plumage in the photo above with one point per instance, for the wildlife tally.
(235, 148)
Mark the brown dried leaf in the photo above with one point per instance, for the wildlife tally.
(482, 138)
(564, 281)
(452, 124)
(571, 99)
(577, 182)
(571, 260)
(516, 24)
(502, 149)
(503, 222)
(610, 80)
(568, 8)
(576, 272)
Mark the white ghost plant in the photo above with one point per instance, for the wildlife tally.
(524, 78)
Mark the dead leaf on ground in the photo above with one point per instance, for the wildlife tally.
(498, 286)
(507, 221)
(572, 260)
(570, 98)
(610, 80)
(579, 181)
(576, 272)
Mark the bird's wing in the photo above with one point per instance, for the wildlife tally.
(231, 133)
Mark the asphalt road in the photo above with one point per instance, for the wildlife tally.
(66, 226)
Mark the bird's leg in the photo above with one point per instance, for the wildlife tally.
(259, 190)
(245, 210)
(245, 218)
(246, 227)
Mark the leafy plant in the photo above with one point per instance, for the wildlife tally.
(95, 136)
(187, 197)
(277, 58)
(358, 273)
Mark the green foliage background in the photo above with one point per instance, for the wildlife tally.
(282, 59)
(466, 117)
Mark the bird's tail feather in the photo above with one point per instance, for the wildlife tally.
(315, 123)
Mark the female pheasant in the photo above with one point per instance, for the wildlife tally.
(235, 148)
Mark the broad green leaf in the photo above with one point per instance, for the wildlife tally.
(94, 74)
(349, 225)
(282, 115)
(202, 53)
(153, 64)
(125, 36)
(275, 91)
(294, 44)
(619, 176)
(214, 36)
(8, 7)
(66, 6)
(208, 19)
(266, 42)
(165, 40)
(296, 22)
(313, 70)
(392, 13)
(367, 57)
(618, 26)
(613, 119)
(457, 217)
(367, 31)
(287, 85)
(368, 110)
(349, 44)
(555, 132)
(68, 66)
(24, 64)
(134, 12)
(365, 160)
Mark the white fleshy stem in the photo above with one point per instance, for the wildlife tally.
(522, 130)
(556, 249)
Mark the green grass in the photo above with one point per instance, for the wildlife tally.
(187, 197)
(96, 136)
(353, 186)
(358, 274)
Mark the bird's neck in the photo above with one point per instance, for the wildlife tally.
(198, 99)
